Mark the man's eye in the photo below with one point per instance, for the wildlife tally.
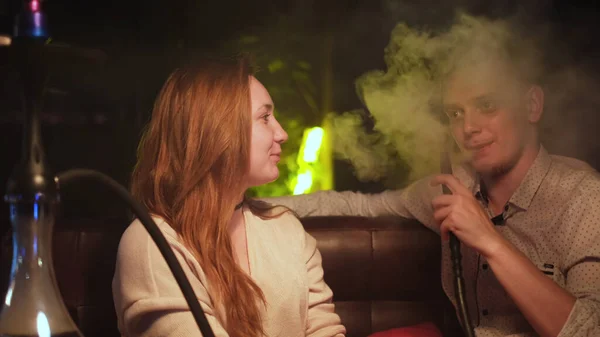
(454, 114)
(487, 106)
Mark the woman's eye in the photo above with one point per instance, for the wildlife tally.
(266, 117)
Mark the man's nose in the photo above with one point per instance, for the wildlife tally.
(471, 122)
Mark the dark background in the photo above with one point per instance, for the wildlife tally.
(93, 114)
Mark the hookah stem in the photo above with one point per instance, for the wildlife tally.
(459, 282)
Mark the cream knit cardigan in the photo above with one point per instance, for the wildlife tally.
(284, 262)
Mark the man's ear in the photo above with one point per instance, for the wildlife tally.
(535, 104)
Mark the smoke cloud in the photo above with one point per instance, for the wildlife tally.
(409, 130)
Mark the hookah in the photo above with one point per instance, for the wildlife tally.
(33, 305)
(456, 256)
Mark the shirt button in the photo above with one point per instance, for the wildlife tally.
(484, 312)
(484, 266)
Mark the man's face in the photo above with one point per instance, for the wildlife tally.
(488, 113)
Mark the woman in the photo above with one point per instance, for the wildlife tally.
(254, 269)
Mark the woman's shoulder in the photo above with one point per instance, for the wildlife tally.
(283, 231)
(137, 245)
(136, 233)
(134, 240)
(137, 250)
(279, 220)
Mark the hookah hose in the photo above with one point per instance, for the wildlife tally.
(459, 282)
(74, 175)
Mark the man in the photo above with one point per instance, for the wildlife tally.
(528, 221)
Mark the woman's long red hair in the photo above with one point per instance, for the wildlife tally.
(192, 162)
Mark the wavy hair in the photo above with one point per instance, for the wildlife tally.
(192, 163)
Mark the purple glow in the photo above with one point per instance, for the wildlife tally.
(37, 19)
(37, 22)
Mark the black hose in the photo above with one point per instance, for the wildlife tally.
(459, 286)
(163, 246)
(455, 255)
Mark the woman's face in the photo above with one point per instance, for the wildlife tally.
(267, 137)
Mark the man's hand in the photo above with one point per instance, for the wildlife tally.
(462, 215)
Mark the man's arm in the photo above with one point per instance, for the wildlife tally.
(332, 203)
(412, 202)
(550, 309)
(545, 305)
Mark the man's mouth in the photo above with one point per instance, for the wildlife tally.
(479, 149)
(478, 146)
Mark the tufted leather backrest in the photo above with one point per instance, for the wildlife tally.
(384, 273)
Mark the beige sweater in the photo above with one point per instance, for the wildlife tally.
(284, 262)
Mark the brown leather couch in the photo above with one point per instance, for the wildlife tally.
(384, 273)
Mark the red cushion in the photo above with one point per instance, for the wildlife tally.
(419, 330)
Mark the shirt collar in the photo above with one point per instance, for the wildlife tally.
(529, 186)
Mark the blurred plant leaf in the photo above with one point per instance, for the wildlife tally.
(288, 54)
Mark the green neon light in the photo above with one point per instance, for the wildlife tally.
(312, 167)
(312, 145)
(304, 183)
